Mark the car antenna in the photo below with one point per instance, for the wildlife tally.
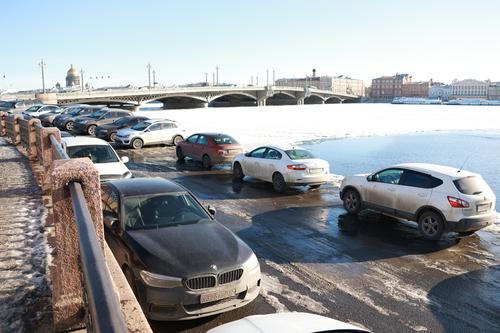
(465, 161)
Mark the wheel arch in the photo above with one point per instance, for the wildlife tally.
(425, 208)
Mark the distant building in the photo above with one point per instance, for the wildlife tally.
(416, 89)
(342, 85)
(469, 89)
(72, 78)
(494, 91)
(440, 91)
(388, 87)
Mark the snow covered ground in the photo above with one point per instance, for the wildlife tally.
(291, 124)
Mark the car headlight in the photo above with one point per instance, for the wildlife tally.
(127, 174)
(251, 263)
(160, 281)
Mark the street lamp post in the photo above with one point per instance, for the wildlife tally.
(217, 74)
(149, 75)
(267, 77)
(81, 78)
(154, 78)
(42, 66)
(274, 77)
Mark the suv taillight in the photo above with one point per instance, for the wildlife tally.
(296, 166)
(457, 203)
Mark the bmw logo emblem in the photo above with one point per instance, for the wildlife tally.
(214, 267)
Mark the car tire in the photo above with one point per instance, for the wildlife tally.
(312, 187)
(352, 201)
(431, 225)
(112, 137)
(91, 129)
(238, 171)
(206, 163)
(279, 184)
(180, 155)
(137, 143)
(177, 139)
(69, 126)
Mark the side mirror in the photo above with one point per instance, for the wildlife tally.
(211, 210)
(247, 154)
(124, 159)
(369, 178)
(110, 221)
(146, 130)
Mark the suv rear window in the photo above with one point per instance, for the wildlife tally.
(471, 185)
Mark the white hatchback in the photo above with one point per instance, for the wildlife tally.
(282, 167)
(439, 198)
(104, 157)
(151, 132)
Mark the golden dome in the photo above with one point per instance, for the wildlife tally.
(73, 71)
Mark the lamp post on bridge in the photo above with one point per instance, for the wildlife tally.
(267, 77)
(81, 78)
(217, 74)
(154, 78)
(42, 66)
(149, 75)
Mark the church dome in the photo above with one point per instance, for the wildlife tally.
(72, 71)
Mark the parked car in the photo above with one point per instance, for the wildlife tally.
(286, 166)
(297, 322)
(439, 198)
(37, 110)
(151, 132)
(180, 262)
(17, 105)
(47, 119)
(108, 131)
(104, 157)
(209, 148)
(65, 122)
(87, 124)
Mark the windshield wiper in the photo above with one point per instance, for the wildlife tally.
(477, 192)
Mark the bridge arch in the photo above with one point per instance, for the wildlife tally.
(333, 100)
(232, 99)
(282, 98)
(180, 101)
(314, 99)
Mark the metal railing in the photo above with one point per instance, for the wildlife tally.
(104, 307)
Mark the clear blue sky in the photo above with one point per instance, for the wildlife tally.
(184, 39)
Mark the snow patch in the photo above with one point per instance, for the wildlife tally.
(272, 285)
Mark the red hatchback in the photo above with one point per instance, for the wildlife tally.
(209, 148)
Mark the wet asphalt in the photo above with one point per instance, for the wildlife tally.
(369, 270)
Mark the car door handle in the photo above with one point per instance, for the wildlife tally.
(422, 194)
(391, 189)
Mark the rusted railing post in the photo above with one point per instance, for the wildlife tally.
(3, 116)
(27, 134)
(12, 128)
(67, 293)
(44, 146)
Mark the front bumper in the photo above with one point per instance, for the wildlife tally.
(471, 223)
(123, 141)
(102, 134)
(182, 304)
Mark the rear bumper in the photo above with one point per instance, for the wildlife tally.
(471, 223)
(307, 179)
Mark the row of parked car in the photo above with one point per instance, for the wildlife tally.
(183, 264)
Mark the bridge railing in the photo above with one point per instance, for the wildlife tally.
(78, 259)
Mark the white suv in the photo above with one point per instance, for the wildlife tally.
(151, 132)
(439, 198)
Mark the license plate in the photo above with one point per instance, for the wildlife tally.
(315, 170)
(212, 297)
(483, 208)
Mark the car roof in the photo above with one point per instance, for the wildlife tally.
(159, 120)
(145, 186)
(282, 147)
(74, 141)
(211, 134)
(436, 169)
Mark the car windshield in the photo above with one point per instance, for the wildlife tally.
(73, 111)
(224, 140)
(7, 104)
(122, 121)
(97, 114)
(299, 154)
(97, 153)
(141, 126)
(33, 108)
(162, 210)
(471, 185)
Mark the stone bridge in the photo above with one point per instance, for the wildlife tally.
(190, 97)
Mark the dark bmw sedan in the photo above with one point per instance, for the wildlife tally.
(108, 131)
(180, 262)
